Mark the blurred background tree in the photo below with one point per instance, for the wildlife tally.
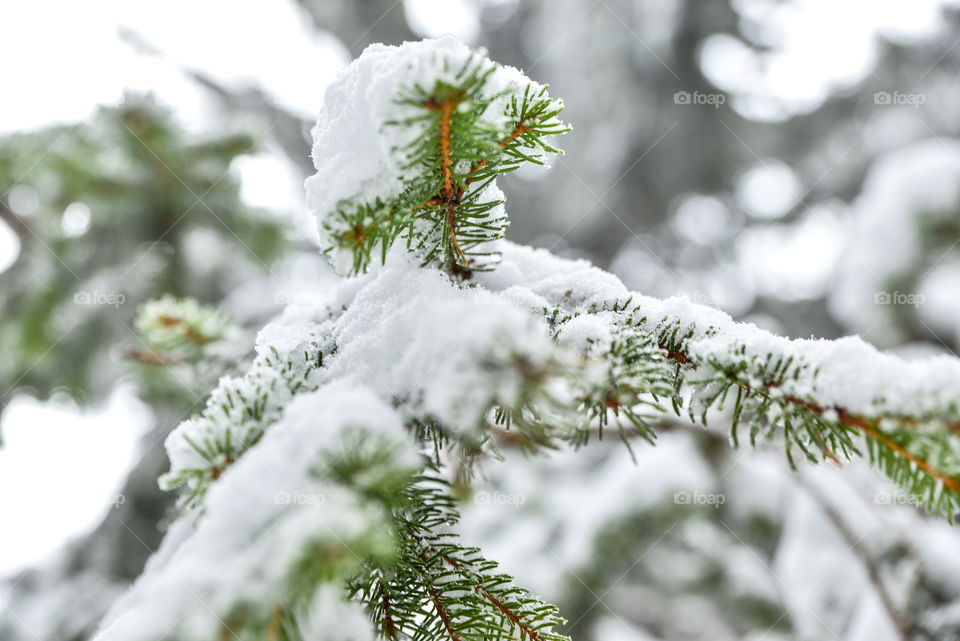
(108, 215)
(793, 162)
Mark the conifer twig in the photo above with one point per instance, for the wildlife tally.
(273, 628)
(519, 129)
(862, 555)
(388, 625)
(442, 612)
(867, 426)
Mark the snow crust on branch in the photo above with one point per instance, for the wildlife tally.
(410, 369)
(412, 344)
(450, 352)
(261, 516)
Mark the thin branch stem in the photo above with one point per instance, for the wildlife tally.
(388, 624)
(510, 614)
(444, 616)
(448, 197)
(273, 629)
(860, 552)
(518, 131)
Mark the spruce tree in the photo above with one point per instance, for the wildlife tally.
(320, 490)
(108, 215)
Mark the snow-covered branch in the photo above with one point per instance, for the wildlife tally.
(323, 466)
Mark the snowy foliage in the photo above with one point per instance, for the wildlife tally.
(901, 267)
(408, 144)
(273, 510)
(336, 461)
(175, 330)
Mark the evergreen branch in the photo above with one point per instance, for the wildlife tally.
(443, 614)
(389, 627)
(179, 329)
(237, 414)
(469, 130)
(919, 456)
(444, 590)
(445, 108)
(518, 129)
(821, 430)
(565, 373)
(869, 427)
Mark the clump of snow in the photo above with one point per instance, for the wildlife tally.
(358, 157)
(847, 373)
(559, 281)
(589, 331)
(460, 348)
(260, 516)
(206, 444)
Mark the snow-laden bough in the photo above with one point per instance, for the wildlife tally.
(321, 486)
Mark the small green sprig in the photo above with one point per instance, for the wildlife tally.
(449, 212)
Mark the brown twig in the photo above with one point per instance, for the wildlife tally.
(449, 196)
(444, 616)
(273, 629)
(518, 131)
(388, 623)
(150, 358)
(191, 333)
(510, 614)
(217, 471)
